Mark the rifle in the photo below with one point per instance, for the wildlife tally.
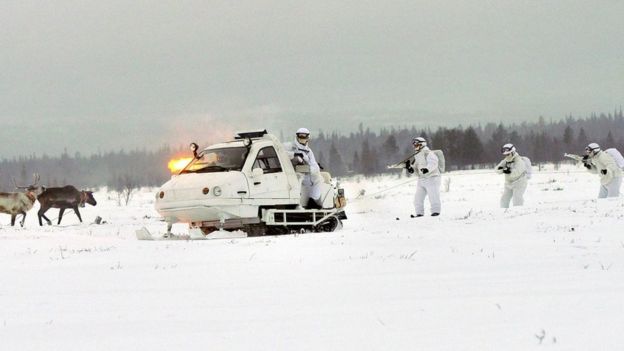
(575, 157)
(401, 164)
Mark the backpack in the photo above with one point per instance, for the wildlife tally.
(441, 160)
(617, 156)
(529, 168)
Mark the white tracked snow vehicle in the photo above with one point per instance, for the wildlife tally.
(247, 184)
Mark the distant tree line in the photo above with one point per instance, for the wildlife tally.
(116, 170)
(360, 152)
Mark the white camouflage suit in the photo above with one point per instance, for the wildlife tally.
(611, 180)
(310, 182)
(428, 183)
(515, 182)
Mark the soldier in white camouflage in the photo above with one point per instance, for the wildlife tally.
(603, 164)
(425, 165)
(300, 153)
(515, 169)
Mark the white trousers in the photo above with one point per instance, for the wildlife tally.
(311, 188)
(611, 189)
(428, 187)
(310, 192)
(514, 191)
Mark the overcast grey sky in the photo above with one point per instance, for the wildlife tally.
(102, 75)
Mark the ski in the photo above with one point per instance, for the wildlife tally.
(194, 234)
(144, 234)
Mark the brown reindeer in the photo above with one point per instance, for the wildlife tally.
(20, 203)
(63, 198)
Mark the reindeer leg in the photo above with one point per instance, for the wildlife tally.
(23, 219)
(41, 214)
(13, 219)
(61, 211)
(77, 213)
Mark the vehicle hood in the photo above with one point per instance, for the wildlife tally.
(190, 186)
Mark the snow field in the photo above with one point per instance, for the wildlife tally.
(548, 275)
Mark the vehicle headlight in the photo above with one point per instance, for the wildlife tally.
(216, 191)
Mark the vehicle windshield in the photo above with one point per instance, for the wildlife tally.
(218, 160)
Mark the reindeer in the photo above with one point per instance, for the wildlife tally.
(20, 203)
(63, 198)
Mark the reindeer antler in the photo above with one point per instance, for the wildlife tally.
(36, 179)
(18, 186)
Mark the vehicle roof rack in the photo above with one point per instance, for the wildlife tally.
(251, 134)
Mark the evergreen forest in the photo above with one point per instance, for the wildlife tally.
(362, 151)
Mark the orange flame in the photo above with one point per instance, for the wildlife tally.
(176, 165)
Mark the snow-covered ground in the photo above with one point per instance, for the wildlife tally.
(549, 275)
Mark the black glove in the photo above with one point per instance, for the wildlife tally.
(424, 171)
(500, 167)
(585, 158)
(298, 159)
(410, 169)
(408, 164)
(603, 171)
(587, 165)
(507, 171)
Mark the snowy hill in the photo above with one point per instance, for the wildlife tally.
(549, 275)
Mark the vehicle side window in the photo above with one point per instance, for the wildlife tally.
(267, 160)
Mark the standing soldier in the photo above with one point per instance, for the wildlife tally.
(516, 173)
(425, 165)
(300, 153)
(600, 162)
